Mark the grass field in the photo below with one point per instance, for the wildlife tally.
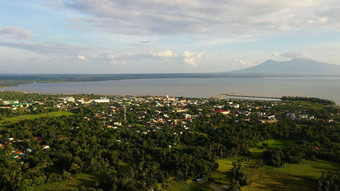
(82, 179)
(261, 179)
(274, 143)
(221, 176)
(308, 104)
(32, 117)
(300, 177)
(307, 168)
(187, 186)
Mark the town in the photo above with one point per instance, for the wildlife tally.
(29, 127)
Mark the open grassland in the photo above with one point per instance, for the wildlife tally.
(32, 117)
(86, 180)
(301, 176)
(187, 186)
(272, 180)
(274, 143)
(308, 104)
(222, 175)
(307, 168)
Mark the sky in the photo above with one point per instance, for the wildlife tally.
(163, 36)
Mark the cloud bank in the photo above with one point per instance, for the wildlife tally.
(15, 32)
(246, 18)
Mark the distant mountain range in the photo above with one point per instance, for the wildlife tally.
(297, 67)
(294, 67)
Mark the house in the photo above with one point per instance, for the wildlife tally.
(117, 123)
(261, 114)
(83, 101)
(236, 106)
(180, 110)
(223, 112)
(102, 100)
(291, 115)
(45, 147)
(219, 106)
(5, 107)
(68, 99)
(271, 117)
(187, 116)
(303, 116)
(10, 102)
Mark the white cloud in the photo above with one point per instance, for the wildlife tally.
(187, 54)
(276, 55)
(234, 18)
(200, 55)
(49, 48)
(295, 54)
(164, 54)
(118, 62)
(81, 57)
(190, 57)
(242, 62)
(15, 32)
(323, 54)
(190, 60)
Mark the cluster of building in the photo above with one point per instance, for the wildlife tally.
(153, 113)
(16, 154)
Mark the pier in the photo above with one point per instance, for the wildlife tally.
(250, 96)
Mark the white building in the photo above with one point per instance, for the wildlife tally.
(102, 100)
(68, 99)
(236, 105)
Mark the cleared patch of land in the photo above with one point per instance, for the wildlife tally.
(271, 180)
(274, 143)
(187, 186)
(32, 117)
(222, 175)
(301, 176)
(86, 180)
(307, 168)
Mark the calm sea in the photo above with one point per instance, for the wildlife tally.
(322, 87)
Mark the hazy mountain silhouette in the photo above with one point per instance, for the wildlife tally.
(294, 67)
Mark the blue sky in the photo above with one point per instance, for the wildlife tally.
(157, 36)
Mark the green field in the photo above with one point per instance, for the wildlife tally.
(301, 176)
(221, 176)
(274, 143)
(187, 186)
(307, 168)
(272, 180)
(32, 117)
(73, 184)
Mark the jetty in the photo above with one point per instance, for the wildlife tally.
(249, 96)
